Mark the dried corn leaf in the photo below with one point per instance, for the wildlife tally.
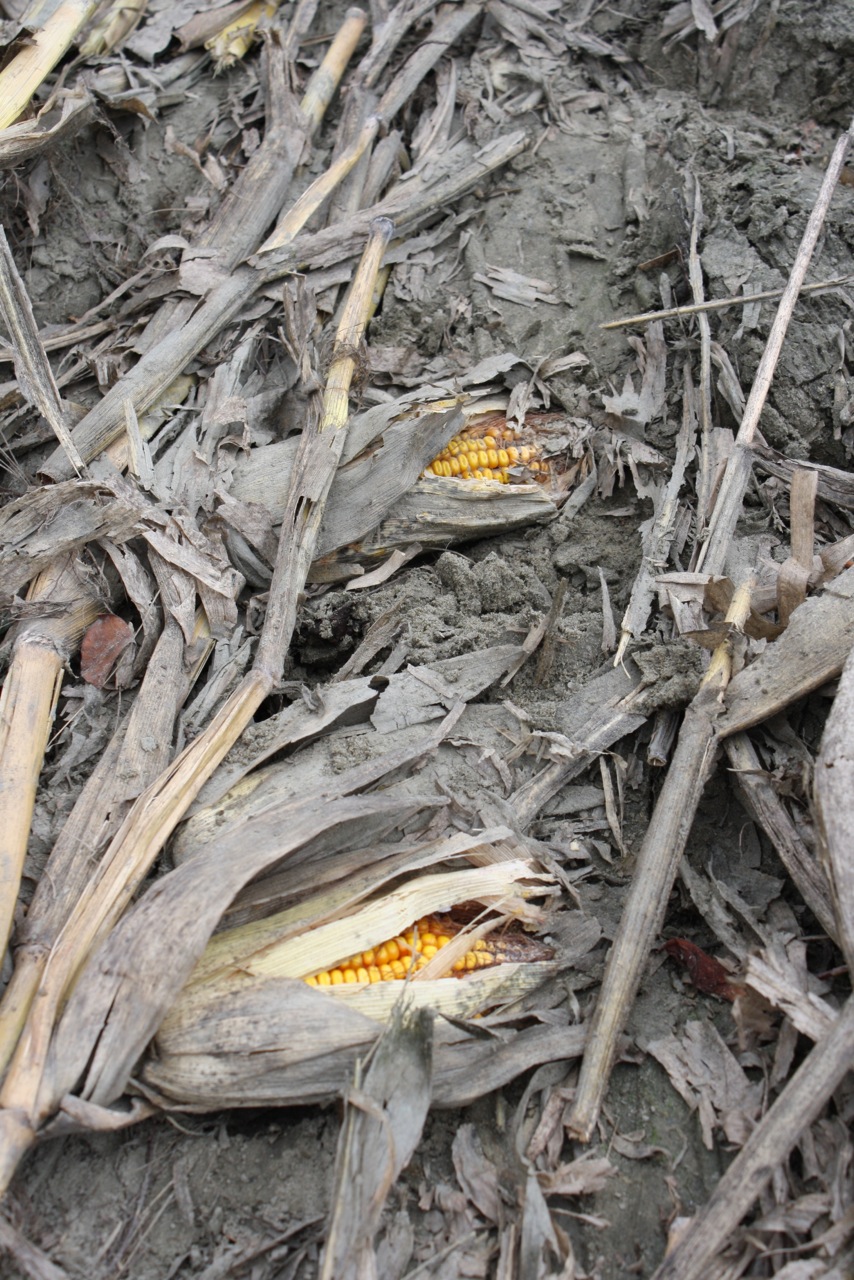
(707, 1075)
(46, 524)
(657, 534)
(514, 287)
(281, 1043)
(834, 788)
(384, 1116)
(437, 512)
(811, 651)
(465, 997)
(407, 698)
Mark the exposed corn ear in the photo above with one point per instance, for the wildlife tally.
(488, 457)
(313, 937)
(412, 951)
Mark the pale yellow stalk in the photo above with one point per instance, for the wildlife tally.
(20, 79)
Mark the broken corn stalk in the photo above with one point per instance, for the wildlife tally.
(23, 75)
(114, 26)
(234, 40)
(27, 705)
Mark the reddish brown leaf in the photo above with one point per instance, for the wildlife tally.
(103, 645)
(707, 974)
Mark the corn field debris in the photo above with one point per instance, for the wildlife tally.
(417, 699)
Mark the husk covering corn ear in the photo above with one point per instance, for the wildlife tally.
(215, 1047)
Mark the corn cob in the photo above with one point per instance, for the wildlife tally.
(412, 950)
(487, 457)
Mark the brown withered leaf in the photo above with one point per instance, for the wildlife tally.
(103, 644)
(579, 1177)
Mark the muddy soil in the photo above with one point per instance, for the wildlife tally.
(602, 192)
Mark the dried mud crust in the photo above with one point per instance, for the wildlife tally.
(594, 201)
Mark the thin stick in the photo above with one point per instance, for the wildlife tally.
(713, 554)
(158, 810)
(658, 862)
(695, 271)
(720, 304)
(800, 1103)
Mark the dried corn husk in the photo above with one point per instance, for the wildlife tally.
(281, 1043)
(317, 942)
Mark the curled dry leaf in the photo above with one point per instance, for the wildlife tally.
(103, 645)
(707, 974)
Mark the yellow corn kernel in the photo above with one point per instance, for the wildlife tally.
(336, 977)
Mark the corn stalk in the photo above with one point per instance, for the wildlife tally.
(20, 79)
(30, 691)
